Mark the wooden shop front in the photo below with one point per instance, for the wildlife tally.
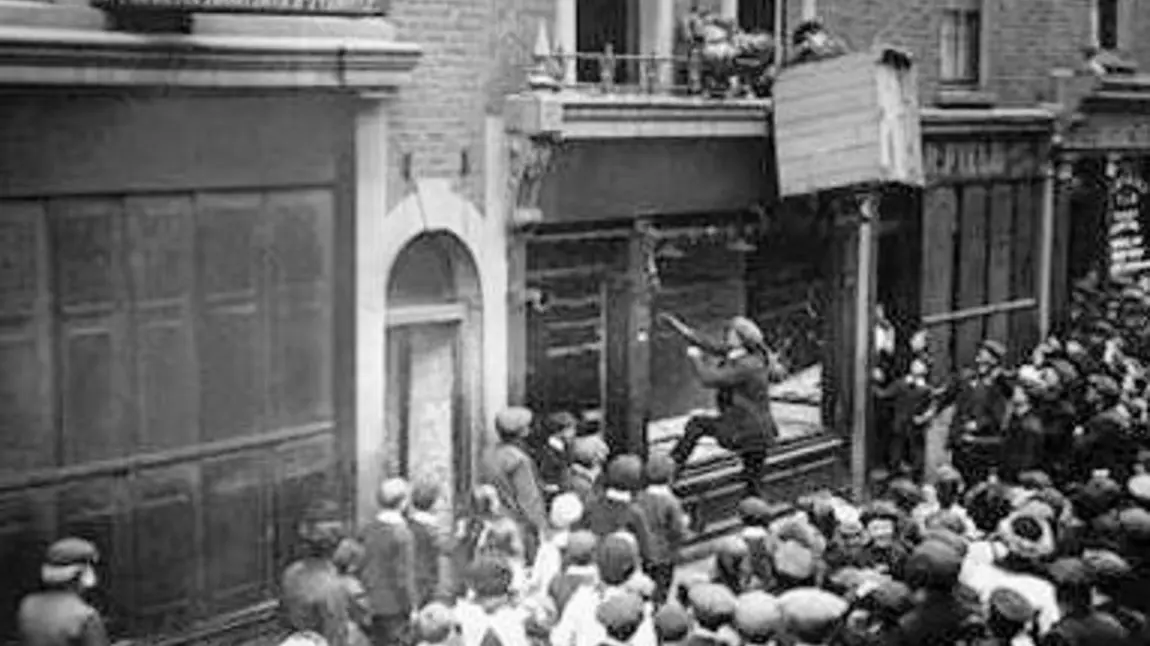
(988, 190)
(176, 325)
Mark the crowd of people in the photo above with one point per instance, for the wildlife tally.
(1037, 532)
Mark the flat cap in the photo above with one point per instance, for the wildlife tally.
(581, 546)
(811, 613)
(589, 450)
(625, 472)
(490, 577)
(757, 617)
(434, 623)
(1105, 385)
(755, 511)
(660, 469)
(620, 612)
(947, 473)
(393, 492)
(747, 330)
(513, 421)
(71, 551)
(1035, 479)
(712, 602)
(881, 510)
(617, 559)
(1070, 572)
(1106, 566)
(994, 348)
(1011, 606)
(566, 510)
(672, 623)
(794, 561)
(1135, 524)
(933, 564)
(1139, 488)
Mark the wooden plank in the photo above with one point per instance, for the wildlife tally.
(1027, 225)
(972, 257)
(519, 334)
(940, 219)
(26, 364)
(639, 321)
(999, 263)
(1060, 256)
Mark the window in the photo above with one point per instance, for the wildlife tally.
(757, 15)
(961, 45)
(600, 23)
(1106, 24)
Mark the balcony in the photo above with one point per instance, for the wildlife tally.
(634, 97)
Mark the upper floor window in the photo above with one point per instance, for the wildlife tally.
(600, 23)
(757, 15)
(1106, 24)
(961, 43)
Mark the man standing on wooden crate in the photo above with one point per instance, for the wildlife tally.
(741, 377)
(981, 398)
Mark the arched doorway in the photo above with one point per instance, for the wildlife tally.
(434, 388)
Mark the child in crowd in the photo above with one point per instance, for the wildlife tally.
(348, 560)
(436, 626)
(431, 548)
(666, 522)
(579, 569)
(389, 565)
(566, 510)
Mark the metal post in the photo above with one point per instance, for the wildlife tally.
(868, 213)
(1046, 249)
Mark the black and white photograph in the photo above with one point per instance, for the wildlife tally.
(574, 323)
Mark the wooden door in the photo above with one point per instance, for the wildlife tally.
(425, 399)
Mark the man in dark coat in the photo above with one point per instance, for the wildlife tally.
(58, 615)
(510, 469)
(1103, 442)
(742, 380)
(389, 567)
(980, 398)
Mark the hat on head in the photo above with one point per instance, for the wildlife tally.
(490, 577)
(581, 546)
(851, 530)
(892, 599)
(1139, 488)
(425, 492)
(810, 613)
(589, 450)
(757, 617)
(732, 546)
(1135, 523)
(881, 510)
(1098, 496)
(435, 623)
(933, 564)
(904, 493)
(949, 474)
(1035, 479)
(755, 512)
(393, 493)
(1011, 606)
(1070, 572)
(1107, 567)
(625, 472)
(748, 331)
(620, 613)
(66, 559)
(794, 561)
(952, 539)
(513, 421)
(617, 559)
(1106, 386)
(994, 348)
(642, 585)
(566, 510)
(712, 603)
(1027, 536)
(672, 623)
(660, 469)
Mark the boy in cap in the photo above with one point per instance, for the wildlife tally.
(389, 565)
(812, 615)
(615, 510)
(511, 470)
(489, 616)
(795, 566)
(313, 597)
(586, 468)
(758, 618)
(618, 561)
(757, 515)
(911, 400)
(713, 607)
(579, 569)
(980, 398)
(431, 541)
(1081, 623)
(1010, 619)
(942, 616)
(566, 510)
(666, 521)
(58, 615)
(621, 616)
(1104, 441)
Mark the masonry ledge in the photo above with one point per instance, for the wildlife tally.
(34, 56)
(577, 115)
(970, 121)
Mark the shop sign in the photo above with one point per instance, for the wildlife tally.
(312, 7)
(975, 159)
(1126, 236)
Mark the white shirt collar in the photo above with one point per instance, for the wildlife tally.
(618, 495)
(660, 489)
(391, 517)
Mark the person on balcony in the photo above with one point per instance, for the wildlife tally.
(742, 381)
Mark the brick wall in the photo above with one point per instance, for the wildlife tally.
(1026, 39)
(475, 52)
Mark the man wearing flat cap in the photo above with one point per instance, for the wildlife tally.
(980, 397)
(509, 468)
(1104, 442)
(742, 381)
(58, 615)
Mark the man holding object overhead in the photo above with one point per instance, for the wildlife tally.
(740, 372)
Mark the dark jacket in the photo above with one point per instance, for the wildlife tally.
(942, 620)
(313, 598)
(605, 516)
(666, 522)
(389, 568)
(432, 550)
(909, 400)
(1105, 443)
(979, 402)
(514, 475)
(743, 396)
(60, 618)
(1093, 629)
